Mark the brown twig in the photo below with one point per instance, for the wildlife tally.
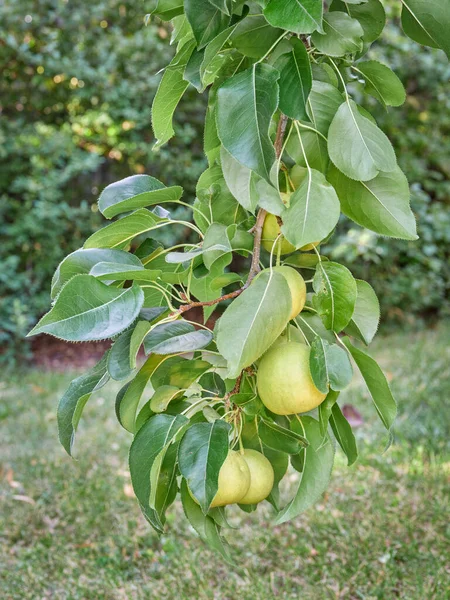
(257, 232)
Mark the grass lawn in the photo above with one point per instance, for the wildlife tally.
(71, 530)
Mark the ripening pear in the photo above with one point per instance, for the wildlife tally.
(284, 381)
(234, 480)
(271, 230)
(297, 287)
(261, 477)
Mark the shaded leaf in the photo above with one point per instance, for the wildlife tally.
(153, 437)
(335, 295)
(366, 316)
(325, 409)
(253, 321)
(134, 192)
(344, 434)
(204, 525)
(295, 80)
(381, 204)
(370, 15)
(313, 210)
(376, 383)
(119, 356)
(298, 16)
(341, 35)
(72, 403)
(382, 83)
(203, 450)
(245, 105)
(170, 90)
(176, 336)
(319, 458)
(279, 438)
(427, 22)
(330, 366)
(121, 232)
(206, 20)
(81, 262)
(357, 146)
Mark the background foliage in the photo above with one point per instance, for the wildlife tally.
(78, 81)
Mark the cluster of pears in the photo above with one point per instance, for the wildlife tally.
(246, 477)
(284, 383)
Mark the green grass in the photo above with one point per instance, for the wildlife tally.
(71, 530)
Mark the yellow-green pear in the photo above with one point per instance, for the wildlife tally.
(234, 480)
(261, 477)
(284, 381)
(271, 230)
(297, 287)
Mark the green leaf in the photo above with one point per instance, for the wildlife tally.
(335, 295)
(366, 316)
(108, 272)
(224, 5)
(72, 403)
(312, 325)
(163, 481)
(357, 146)
(206, 20)
(382, 83)
(216, 246)
(119, 356)
(427, 22)
(192, 70)
(167, 9)
(176, 336)
(170, 90)
(330, 366)
(325, 409)
(137, 338)
(179, 372)
(341, 35)
(121, 232)
(81, 262)
(153, 437)
(254, 36)
(247, 187)
(376, 383)
(253, 321)
(313, 210)
(87, 309)
(204, 525)
(298, 16)
(245, 105)
(319, 458)
(295, 80)
(128, 399)
(370, 15)
(381, 204)
(314, 150)
(162, 397)
(279, 438)
(323, 103)
(134, 192)
(344, 434)
(203, 450)
(208, 71)
(180, 29)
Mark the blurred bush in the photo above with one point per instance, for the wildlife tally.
(77, 84)
(76, 90)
